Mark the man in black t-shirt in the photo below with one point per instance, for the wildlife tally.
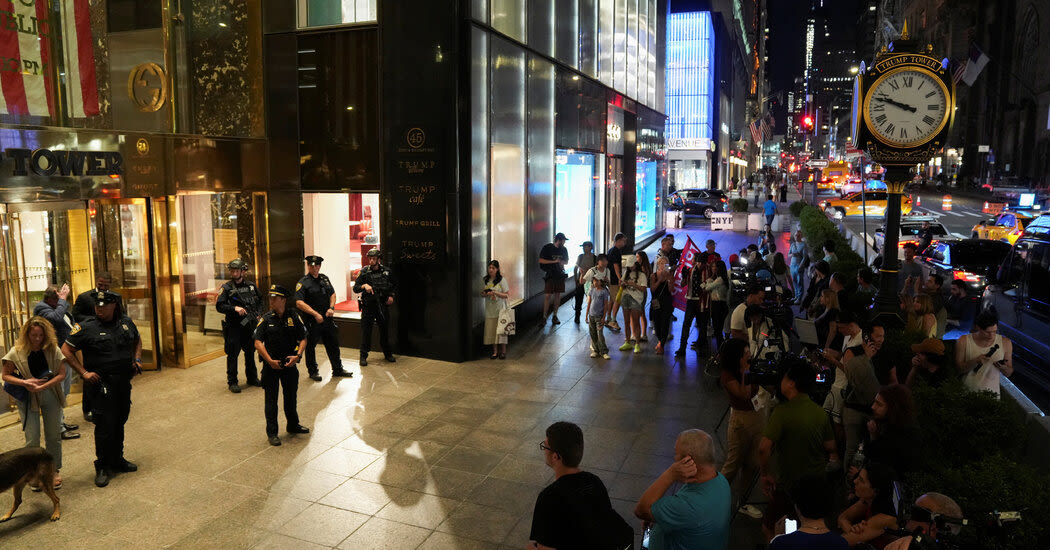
(570, 510)
(553, 258)
(615, 255)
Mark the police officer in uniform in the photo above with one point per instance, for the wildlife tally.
(280, 339)
(112, 353)
(83, 309)
(315, 300)
(376, 285)
(240, 300)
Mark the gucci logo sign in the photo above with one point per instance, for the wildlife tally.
(148, 87)
(613, 131)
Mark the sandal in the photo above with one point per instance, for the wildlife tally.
(58, 482)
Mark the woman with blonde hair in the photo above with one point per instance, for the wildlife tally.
(36, 365)
(921, 317)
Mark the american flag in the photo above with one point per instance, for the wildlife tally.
(957, 72)
(30, 90)
(767, 126)
(756, 134)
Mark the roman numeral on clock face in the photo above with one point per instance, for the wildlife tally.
(894, 85)
(908, 80)
(929, 119)
(933, 107)
(880, 119)
(903, 133)
(890, 128)
(929, 95)
(878, 107)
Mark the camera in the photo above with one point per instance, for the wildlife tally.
(769, 372)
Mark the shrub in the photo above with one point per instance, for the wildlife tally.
(796, 208)
(817, 228)
(738, 205)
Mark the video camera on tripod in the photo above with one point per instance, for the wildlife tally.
(769, 372)
(950, 533)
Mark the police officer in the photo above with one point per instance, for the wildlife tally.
(376, 285)
(83, 309)
(315, 300)
(112, 356)
(280, 339)
(240, 300)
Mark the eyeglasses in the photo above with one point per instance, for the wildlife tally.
(545, 447)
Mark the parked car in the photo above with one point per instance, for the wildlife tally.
(854, 185)
(1007, 227)
(1020, 293)
(699, 201)
(975, 261)
(874, 204)
(911, 225)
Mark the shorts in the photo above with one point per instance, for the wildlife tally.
(556, 284)
(630, 302)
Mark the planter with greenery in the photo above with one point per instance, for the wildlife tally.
(739, 208)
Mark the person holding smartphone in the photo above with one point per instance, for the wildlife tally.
(813, 498)
(280, 339)
(984, 356)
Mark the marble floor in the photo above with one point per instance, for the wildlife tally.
(416, 454)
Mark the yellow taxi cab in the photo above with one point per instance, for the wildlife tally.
(852, 205)
(1007, 227)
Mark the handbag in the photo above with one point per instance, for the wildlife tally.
(505, 324)
(18, 392)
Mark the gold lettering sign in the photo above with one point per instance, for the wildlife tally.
(142, 146)
(148, 87)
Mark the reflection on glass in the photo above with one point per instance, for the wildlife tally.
(508, 17)
(479, 159)
(574, 195)
(507, 201)
(567, 32)
(606, 34)
(648, 198)
(589, 37)
(541, 26)
(319, 13)
(341, 228)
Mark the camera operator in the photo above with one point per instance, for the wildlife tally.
(923, 518)
(745, 423)
(799, 431)
(756, 295)
(764, 335)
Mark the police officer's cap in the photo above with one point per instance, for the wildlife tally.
(237, 264)
(314, 260)
(374, 253)
(104, 297)
(280, 291)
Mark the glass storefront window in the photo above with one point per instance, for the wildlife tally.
(322, 13)
(574, 195)
(508, 17)
(648, 198)
(341, 228)
(508, 153)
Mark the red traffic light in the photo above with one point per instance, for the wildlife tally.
(807, 121)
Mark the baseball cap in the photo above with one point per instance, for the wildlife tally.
(560, 236)
(930, 345)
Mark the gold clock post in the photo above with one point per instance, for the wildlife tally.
(887, 303)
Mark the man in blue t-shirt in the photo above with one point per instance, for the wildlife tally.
(770, 208)
(697, 514)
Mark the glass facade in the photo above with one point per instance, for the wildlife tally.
(341, 228)
(574, 192)
(690, 76)
(647, 194)
(323, 13)
(508, 162)
(611, 40)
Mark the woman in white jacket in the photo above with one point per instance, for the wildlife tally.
(36, 364)
(718, 287)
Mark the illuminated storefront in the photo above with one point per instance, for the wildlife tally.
(691, 111)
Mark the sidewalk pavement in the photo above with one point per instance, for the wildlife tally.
(418, 453)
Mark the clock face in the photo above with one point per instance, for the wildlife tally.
(907, 107)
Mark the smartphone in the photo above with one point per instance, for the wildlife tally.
(790, 526)
(645, 537)
(821, 378)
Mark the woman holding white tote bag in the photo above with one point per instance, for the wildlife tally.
(495, 293)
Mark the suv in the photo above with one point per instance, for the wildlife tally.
(699, 201)
(969, 260)
(1020, 294)
(911, 225)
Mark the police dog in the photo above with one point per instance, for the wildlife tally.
(28, 465)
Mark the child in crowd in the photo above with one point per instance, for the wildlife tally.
(597, 305)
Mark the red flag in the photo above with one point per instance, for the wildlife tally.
(688, 257)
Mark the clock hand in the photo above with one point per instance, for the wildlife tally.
(896, 104)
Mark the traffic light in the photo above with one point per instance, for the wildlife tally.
(807, 122)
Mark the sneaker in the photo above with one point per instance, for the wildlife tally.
(594, 354)
(627, 346)
(638, 348)
(750, 511)
(613, 326)
(235, 388)
(606, 356)
(644, 338)
(555, 320)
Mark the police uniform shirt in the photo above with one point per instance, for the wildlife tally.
(109, 347)
(280, 334)
(381, 280)
(316, 292)
(233, 294)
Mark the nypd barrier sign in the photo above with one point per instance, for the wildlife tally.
(722, 220)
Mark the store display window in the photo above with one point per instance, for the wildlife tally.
(341, 228)
(574, 195)
(648, 198)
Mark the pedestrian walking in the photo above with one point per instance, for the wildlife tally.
(55, 309)
(770, 209)
(662, 304)
(553, 259)
(597, 305)
(615, 257)
(647, 269)
(241, 302)
(634, 283)
(280, 338)
(377, 286)
(36, 369)
(584, 262)
(112, 352)
(495, 293)
(315, 300)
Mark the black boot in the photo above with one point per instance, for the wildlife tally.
(577, 320)
(101, 475)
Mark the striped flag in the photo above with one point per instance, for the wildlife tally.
(975, 64)
(755, 133)
(28, 74)
(957, 72)
(767, 126)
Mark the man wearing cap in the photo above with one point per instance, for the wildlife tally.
(928, 364)
(280, 338)
(667, 250)
(553, 259)
(112, 353)
(240, 301)
(315, 300)
(584, 262)
(84, 308)
(376, 285)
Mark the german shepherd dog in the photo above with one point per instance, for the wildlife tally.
(26, 466)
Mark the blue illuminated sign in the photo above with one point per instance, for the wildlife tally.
(690, 75)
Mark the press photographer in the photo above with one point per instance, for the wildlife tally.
(764, 334)
(926, 521)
